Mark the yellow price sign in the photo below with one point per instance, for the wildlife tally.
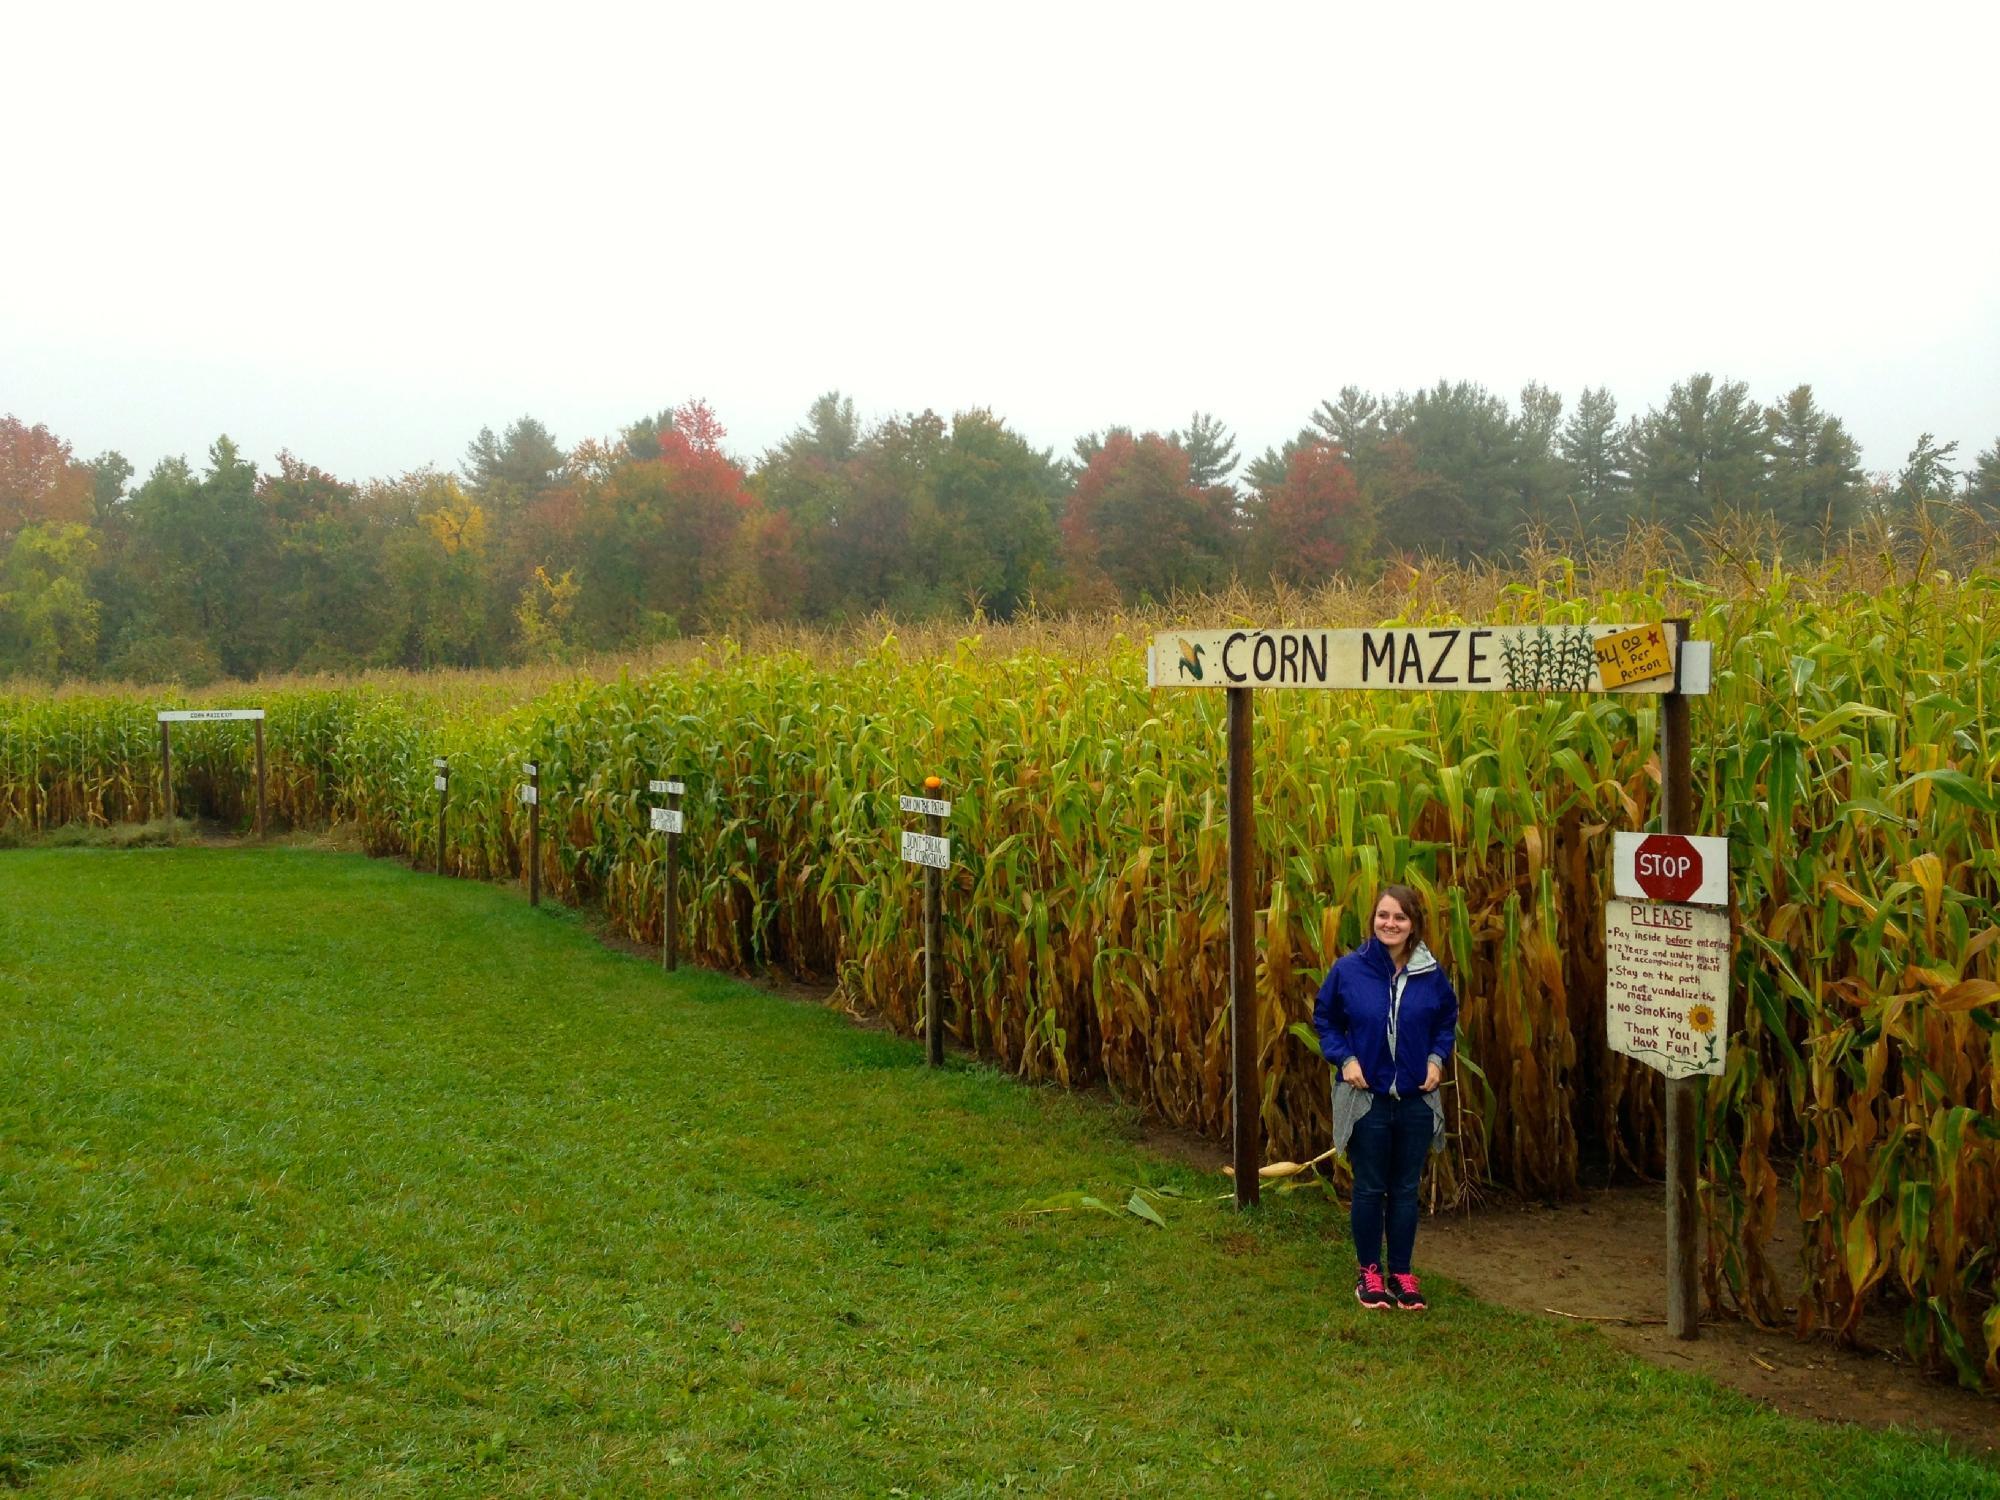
(1634, 656)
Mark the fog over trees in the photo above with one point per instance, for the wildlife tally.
(533, 550)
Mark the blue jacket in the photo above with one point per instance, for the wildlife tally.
(1357, 1003)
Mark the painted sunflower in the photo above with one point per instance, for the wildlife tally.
(1702, 1019)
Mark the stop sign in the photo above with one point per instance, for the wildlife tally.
(1667, 867)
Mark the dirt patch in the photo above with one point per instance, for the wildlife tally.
(1603, 1259)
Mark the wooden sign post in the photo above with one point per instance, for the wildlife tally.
(1457, 658)
(1683, 1093)
(167, 773)
(932, 850)
(531, 794)
(442, 781)
(668, 820)
(172, 716)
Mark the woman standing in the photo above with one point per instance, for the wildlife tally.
(1387, 1018)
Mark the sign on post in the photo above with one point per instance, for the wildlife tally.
(1666, 970)
(1442, 658)
(442, 782)
(926, 849)
(1670, 867)
(668, 820)
(932, 850)
(531, 796)
(208, 715)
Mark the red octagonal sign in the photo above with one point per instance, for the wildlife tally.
(1667, 867)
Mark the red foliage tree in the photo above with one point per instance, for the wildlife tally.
(39, 479)
(1315, 524)
(1137, 520)
(660, 535)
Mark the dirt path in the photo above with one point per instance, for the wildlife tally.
(1603, 1259)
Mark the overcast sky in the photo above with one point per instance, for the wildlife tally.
(362, 232)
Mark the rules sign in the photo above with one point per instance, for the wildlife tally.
(1667, 986)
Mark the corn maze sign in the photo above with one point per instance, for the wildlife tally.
(1442, 658)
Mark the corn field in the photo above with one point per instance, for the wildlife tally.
(1845, 751)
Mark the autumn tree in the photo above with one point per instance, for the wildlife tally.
(1264, 473)
(657, 540)
(1138, 521)
(1314, 524)
(40, 480)
(545, 614)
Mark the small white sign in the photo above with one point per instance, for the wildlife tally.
(1667, 986)
(1642, 859)
(923, 849)
(929, 805)
(438, 764)
(438, 782)
(204, 715)
(528, 766)
(667, 820)
(527, 796)
(1697, 668)
(665, 788)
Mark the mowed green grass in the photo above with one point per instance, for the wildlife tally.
(319, 1173)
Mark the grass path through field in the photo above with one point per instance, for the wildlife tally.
(317, 1172)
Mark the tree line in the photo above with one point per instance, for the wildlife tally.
(534, 551)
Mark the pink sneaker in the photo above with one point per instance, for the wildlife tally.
(1369, 1289)
(1404, 1290)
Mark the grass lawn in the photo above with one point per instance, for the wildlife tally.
(318, 1173)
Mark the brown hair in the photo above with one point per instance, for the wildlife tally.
(1413, 908)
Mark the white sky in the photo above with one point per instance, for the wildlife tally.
(362, 232)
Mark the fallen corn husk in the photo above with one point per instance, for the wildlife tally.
(1285, 1168)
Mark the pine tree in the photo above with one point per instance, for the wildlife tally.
(1813, 482)
(505, 473)
(1353, 420)
(1927, 474)
(1592, 445)
(1211, 450)
(1982, 484)
(1699, 455)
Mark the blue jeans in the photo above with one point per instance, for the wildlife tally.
(1387, 1152)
